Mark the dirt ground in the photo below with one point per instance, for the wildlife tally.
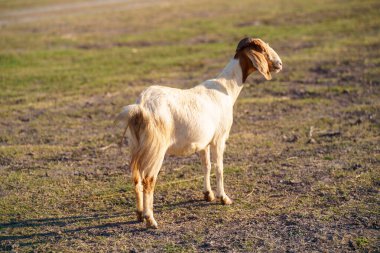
(302, 163)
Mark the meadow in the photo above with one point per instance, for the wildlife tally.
(302, 163)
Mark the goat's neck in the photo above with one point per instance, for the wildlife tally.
(232, 78)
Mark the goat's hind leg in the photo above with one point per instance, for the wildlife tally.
(149, 182)
(206, 164)
(139, 193)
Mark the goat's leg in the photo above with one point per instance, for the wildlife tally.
(139, 194)
(218, 151)
(206, 164)
(149, 183)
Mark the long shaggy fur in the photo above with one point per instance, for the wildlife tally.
(146, 137)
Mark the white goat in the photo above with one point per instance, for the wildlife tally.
(180, 122)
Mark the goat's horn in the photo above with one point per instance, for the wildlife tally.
(246, 42)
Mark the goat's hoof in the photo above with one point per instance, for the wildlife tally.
(139, 215)
(208, 196)
(151, 223)
(226, 200)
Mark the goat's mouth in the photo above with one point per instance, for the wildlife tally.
(276, 69)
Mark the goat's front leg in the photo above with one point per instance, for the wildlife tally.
(217, 151)
(206, 164)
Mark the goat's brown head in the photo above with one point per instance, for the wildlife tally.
(255, 54)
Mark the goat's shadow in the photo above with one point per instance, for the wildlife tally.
(59, 227)
(184, 204)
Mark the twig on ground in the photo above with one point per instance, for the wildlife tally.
(311, 139)
(329, 134)
(249, 194)
(113, 145)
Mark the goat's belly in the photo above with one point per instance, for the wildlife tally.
(191, 136)
(184, 150)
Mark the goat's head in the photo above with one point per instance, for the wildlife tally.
(255, 54)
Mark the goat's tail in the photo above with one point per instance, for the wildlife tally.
(147, 138)
(134, 118)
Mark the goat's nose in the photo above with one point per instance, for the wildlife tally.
(278, 66)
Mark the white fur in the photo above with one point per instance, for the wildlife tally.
(192, 120)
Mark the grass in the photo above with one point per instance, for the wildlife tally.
(64, 75)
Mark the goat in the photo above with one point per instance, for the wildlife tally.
(181, 122)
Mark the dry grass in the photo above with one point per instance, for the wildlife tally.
(63, 77)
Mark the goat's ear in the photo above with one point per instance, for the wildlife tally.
(260, 63)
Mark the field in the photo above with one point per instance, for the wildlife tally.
(302, 163)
